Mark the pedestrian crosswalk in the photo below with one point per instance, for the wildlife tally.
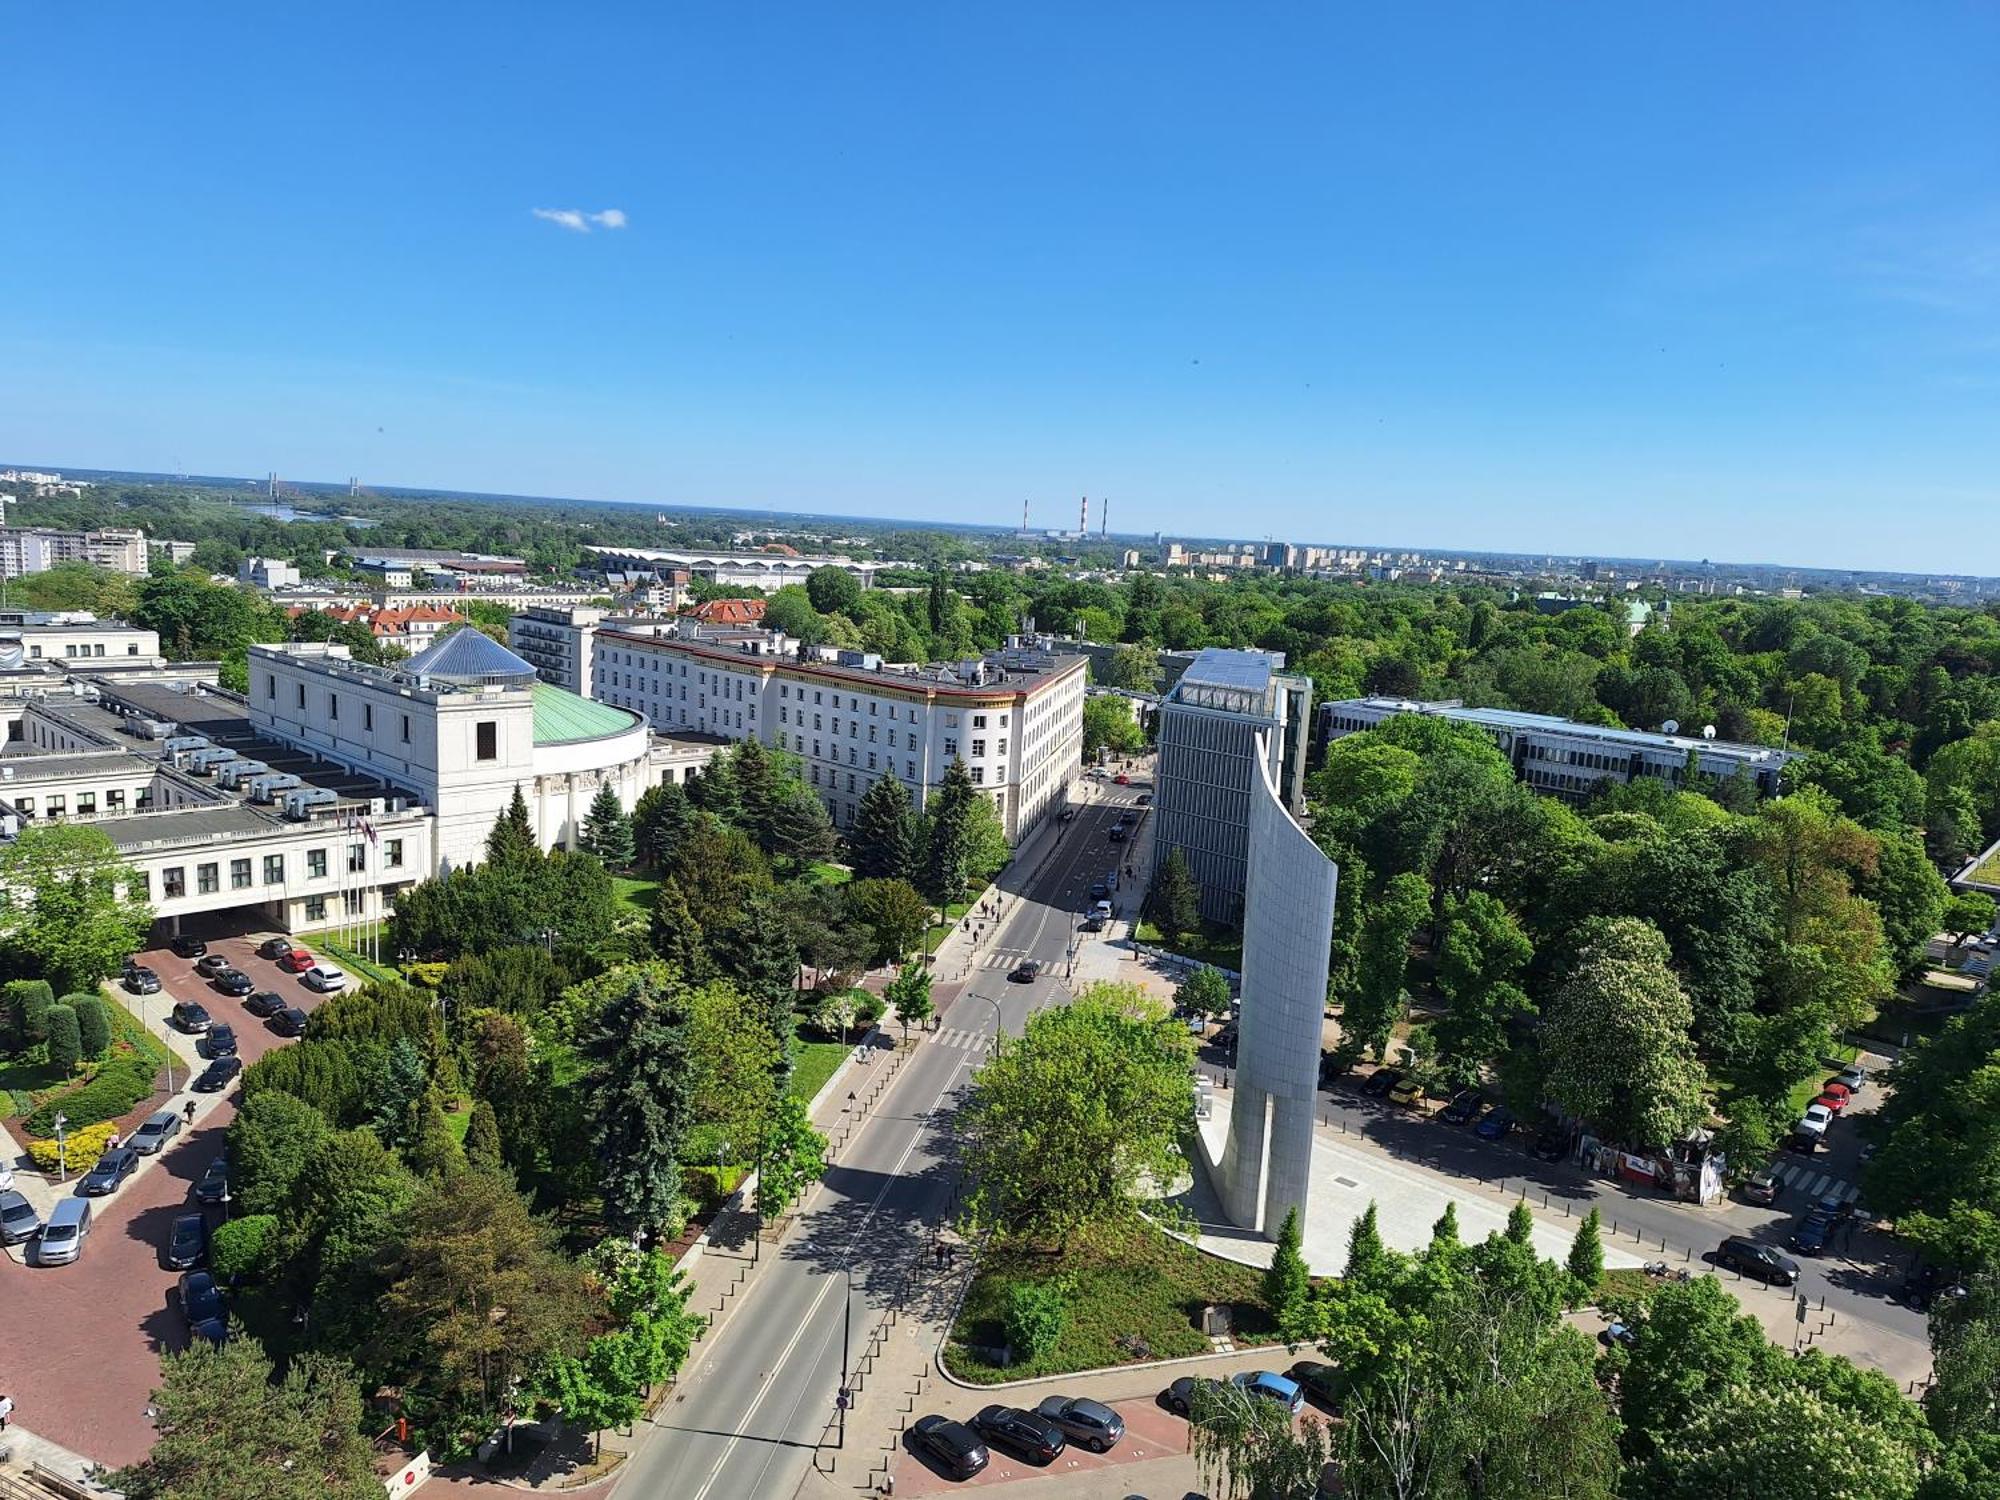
(1816, 1185)
(962, 1041)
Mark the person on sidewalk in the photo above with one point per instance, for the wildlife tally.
(6, 1411)
(189, 1111)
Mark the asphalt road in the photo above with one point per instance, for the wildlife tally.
(747, 1417)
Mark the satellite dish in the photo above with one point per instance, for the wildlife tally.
(1672, 726)
(1708, 731)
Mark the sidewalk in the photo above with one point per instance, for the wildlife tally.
(21, 1451)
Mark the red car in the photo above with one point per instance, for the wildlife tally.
(1835, 1102)
(297, 961)
(1835, 1089)
(1122, 779)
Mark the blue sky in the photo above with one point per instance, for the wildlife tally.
(1686, 280)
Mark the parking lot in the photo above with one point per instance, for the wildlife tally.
(81, 1359)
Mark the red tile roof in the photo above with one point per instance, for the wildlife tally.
(730, 612)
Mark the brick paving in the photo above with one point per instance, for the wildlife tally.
(81, 1356)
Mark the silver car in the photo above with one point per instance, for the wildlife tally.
(156, 1132)
(1089, 1424)
(62, 1237)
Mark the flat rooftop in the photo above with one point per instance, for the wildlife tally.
(1520, 722)
(1008, 670)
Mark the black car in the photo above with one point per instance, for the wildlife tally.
(275, 947)
(234, 982)
(140, 980)
(955, 1447)
(220, 1041)
(1463, 1109)
(187, 1242)
(1028, 1433)
(1320, 1382)
(1099, 889)
(112, 1168)
(191, 1017)
(1382, 1080)
(265, 1003)
(1810, 1235)
(1117, 834)
(210, 964)
(1761, 1261)
(1088, 1424)
(218, 1075)
(201, 1304)
(291, 1021)
(188, 947)
(1180, 1396)
(1144, 799)
(214, 1184)
(1027, 971)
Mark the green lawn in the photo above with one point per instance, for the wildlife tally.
(1220, 946)
(826, 872)
(814, 1061)
(1131, 1282)
(636, 893)
(936, 935)
(1987, 871)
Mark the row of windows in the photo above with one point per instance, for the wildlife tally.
(90, 649)
(486, 733)
(208, 877)
(57, 803)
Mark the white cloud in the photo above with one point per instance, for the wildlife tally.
(579, 221)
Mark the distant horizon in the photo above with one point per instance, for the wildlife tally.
(336, 488)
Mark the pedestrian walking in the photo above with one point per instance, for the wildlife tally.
(189, 1111)
(6, 1411)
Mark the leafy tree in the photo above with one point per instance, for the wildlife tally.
(1483, 953)
(93, 1026)
(226, 1432)
(1586, 1254)
(1205, 993)
(833, 590)
(1245, 1445)
(1065, 1124)
(949, 863)
(599, 1389)
(65, 1044)
(1037, 1316)
(894, 914)
(1174, 902)
(1615, 1038)
(607, 831)
(909, 993)
(1378, 999)
(1966, 913)
(1910, 898)
(1520, 1223)
(1109, 724)
(883, 841)
(512, 839)
(245, 1247)
(28, 1002)
(734, 1061)
(1785, 1444)
(986, 846)
(791, 1157)
(68, 917)
(1963, 1402)
(1134, 668)
(1287, 1282)
(273, 1142)
(639, 1085)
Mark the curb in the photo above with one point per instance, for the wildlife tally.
(1142, 1364)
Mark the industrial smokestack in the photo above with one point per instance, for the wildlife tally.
(1104, 517)
(1083, 518)
(1024, 516)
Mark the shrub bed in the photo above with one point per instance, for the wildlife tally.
(80, 1149)
(112, 1091)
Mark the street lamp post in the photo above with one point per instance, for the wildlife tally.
(62, 1154)
(974, 994)
(845, 1398)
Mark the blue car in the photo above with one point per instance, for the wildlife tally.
(1273, 1387)
(1497, 1123)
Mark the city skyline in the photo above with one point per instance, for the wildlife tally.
(1711, 283)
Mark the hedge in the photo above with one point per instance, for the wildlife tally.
(118, 1085)
(65, 1040)
(244, 1247)
(81, 1148)
(93, 1026)
(28, 1002)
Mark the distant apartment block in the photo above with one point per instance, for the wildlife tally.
(121, 549)
(176, 553)
(1232, 719)
(757, 570)
(267, 573)
(1569, 760)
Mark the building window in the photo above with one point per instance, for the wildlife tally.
(86, 804)
(850, 781)
(1003, 721)
(368, 716)
(978, 775)
(353, 902)
(115, 798)
(979, 748)
(871, 760)
(392, 853)
(302, 695)
(1003, 747)
(270, 686)
(950, 747)
(239, 874)
(26, 806)
(315, 864)
(910, 769)
(487, 732)
(357, 858)
(406, 729)
(978, 722)
(207, 878)
(333, 706)
(274, 869)
(173, 882)
(58, 806)
(315, 908)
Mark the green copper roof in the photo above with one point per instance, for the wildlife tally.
(562, 716)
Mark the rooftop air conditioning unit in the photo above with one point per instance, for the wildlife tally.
(300, 802)
(183, 744)
(267, 788)
(234, 773)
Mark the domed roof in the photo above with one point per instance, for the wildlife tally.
(469, 658)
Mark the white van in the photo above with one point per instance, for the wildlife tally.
(62, 1237)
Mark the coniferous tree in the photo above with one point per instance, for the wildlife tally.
(432, 1152)
(1520, 1223)
(1365, 1250)
(482, 1139)
(1586, 1254)
(1445, 1231)
(882, 842)
(659, 821)
(513, 837)
(716, 791)
(949, 865)
(639, 1087)
(676, 936)
(1287, 1282)
(762, 956)
(607, 831)
(1174, 903)
(797, 828)
(758, 790)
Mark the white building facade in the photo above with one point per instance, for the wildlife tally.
(557, 643)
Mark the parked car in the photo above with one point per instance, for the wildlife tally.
(325, 978)
(192, 1017)
(200, 1301)
(1497, 1124)
(187, 1242)
(234, 982)
(1088, 1424)
(150, 1138)
(1117, 834)
(218, 1075)
(296, 961)
(265, 1003)
(1093, 923)
(1408, 1093)
(1382, 1080)
(1810, 1234)
(1833, 1088)
(220, 1041)
(274, 947)
(1144, 799)
(1122, 779)
(1463, 1109)
(1028, 1433)
(61, 1239)
(1320, 1382)
(110, 1169)
(955, 1447)
(1272, 1387)
(1101, 911)
(140, 980)
(214, 1184)
(1027, 971)
(1180, 1396)
(211, 964)
(1552, 1144)
(187, 947)
(18, 1220)
(1814, 1121)
(1760, 1261)
(1763, 1187)
(1855, 1077)
(291, 1021)
(1099, 890)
